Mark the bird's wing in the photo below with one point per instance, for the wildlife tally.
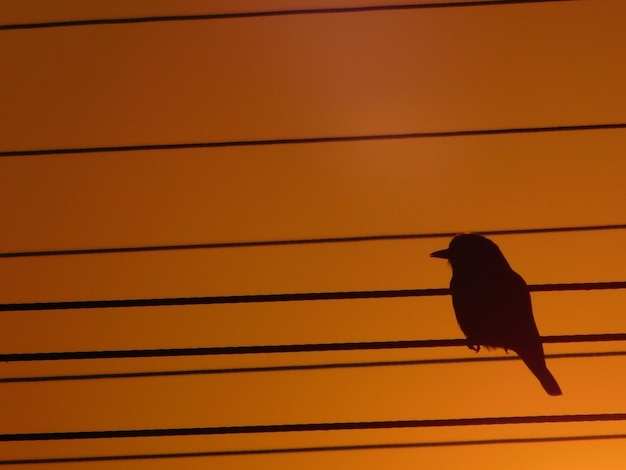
(520, 327)
(495, 310)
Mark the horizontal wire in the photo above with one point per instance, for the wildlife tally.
(303, 241)
(312, 140)
(293, 450)
(257, 14)
(308, 427)
(287, 297)
(285, 348)
(297, 367)
(221, 299)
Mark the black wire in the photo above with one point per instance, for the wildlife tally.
(288, 297)
(298, 367)
(262, 14)
(293, 450)
(222, 299)
(307, 427)
(302, 241)
(284, 348)
(311, 140)
(229, 350)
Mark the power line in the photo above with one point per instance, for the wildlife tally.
(284, 348)
(287, 297)
(303, 241)
(307, 427)
(312, 140)
(293, 450)
(263, 14)
(295, 368)
(222, 299)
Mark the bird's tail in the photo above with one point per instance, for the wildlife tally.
(547, 380)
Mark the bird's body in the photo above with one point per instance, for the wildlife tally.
(492, 303)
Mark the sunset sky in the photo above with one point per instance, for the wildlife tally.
(316, 125)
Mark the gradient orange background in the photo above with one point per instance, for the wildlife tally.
(441, 69)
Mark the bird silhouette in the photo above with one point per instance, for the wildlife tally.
(492, 303)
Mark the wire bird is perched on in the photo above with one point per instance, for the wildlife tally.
(492, 303)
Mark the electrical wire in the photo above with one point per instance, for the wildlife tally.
(293, 450)
(286, 297)
(284, 348)
(297, 367)
(313, 140)
(307, 427)
(304, 241)
(263, 14)
(222, 299)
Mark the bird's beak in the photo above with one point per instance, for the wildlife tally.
(441, 254)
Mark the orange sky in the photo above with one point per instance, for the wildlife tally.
(298, 76)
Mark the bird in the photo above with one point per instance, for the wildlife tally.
(492, 303)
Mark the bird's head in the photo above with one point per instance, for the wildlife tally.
(472, 251)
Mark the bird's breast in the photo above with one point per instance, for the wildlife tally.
(481, 310)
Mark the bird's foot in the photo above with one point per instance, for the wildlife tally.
(474, 347)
